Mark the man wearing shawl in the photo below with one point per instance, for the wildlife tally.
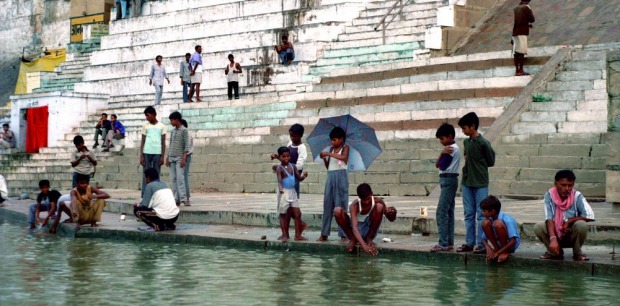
(566, 214)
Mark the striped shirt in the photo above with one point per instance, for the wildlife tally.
(179, 142)
(579, 208)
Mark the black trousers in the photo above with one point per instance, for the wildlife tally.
(233, 86)
(148, 216)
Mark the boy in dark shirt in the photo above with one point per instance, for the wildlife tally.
(47, 200)
(479, 156)
(523, 22)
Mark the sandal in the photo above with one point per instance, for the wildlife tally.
(439, 248)
(548, 256)
(479, 250)
(581, 257)
(464, 248)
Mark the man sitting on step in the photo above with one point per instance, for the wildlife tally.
(117, 132)
(102, 128)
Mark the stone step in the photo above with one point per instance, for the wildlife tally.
(205, 12)
(370, 50)
(574, 138)
(418, 37)
(411, 15)
(409, 30)
(587, 75)
(381, 8)
(455, 69)
(303, 20)
(366, 59)
(389, 78)
(410, 23)
(538, 188)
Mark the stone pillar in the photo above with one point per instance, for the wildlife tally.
(613, 136)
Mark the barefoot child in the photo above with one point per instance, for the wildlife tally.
(87, 203)
(366, 216)
(63, 205)
(287, 178)
(500, 232)
(47, 200)
(337, 185)
(448, 163)
(299, 154)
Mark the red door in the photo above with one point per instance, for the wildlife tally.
(36, 129)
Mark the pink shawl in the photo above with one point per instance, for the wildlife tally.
(560, 207)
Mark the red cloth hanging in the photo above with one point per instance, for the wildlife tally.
(36, 129)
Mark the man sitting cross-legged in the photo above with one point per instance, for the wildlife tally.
(366, 216)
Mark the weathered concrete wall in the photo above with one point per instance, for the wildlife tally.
(34, 24)
(613, 137)
(558, 22)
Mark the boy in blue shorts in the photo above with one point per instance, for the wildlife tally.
(288, 176)
(500, 232)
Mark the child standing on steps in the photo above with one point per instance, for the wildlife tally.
(479, 156)
(288, 177)
(299, 154)
(83, 162)
(448, 163)
(337, 185)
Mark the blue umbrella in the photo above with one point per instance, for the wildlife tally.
(361, 138)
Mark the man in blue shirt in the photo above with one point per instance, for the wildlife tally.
(116, 132)
(195, 73)
(500, 232)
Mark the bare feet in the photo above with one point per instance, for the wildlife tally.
(198, 100)
(300, 238)
(280, 238)
(304, 226)
(351, 246)
(502, 257)
(344, 239)
(285, 239)
(322, 238)
(94, 224)
(371, 243)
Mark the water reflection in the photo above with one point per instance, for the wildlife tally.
(42, 269)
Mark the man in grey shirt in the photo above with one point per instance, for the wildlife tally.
(184, 72)
(156, 78)
(8, 138)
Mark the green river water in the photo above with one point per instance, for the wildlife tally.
(41, 269)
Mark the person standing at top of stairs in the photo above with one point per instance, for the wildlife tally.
(524, 17)
(156, 78)
(184, 72)
(232, 72)
(195, 67)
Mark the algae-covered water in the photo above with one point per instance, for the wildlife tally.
(41, 269)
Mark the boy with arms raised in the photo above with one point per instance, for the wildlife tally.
(479, 156)
(366, 216)
(500, 231)
(288, 176)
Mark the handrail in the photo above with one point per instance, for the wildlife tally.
(400, 13)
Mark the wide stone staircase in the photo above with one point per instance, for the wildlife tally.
(563, 131)
(234, 139)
